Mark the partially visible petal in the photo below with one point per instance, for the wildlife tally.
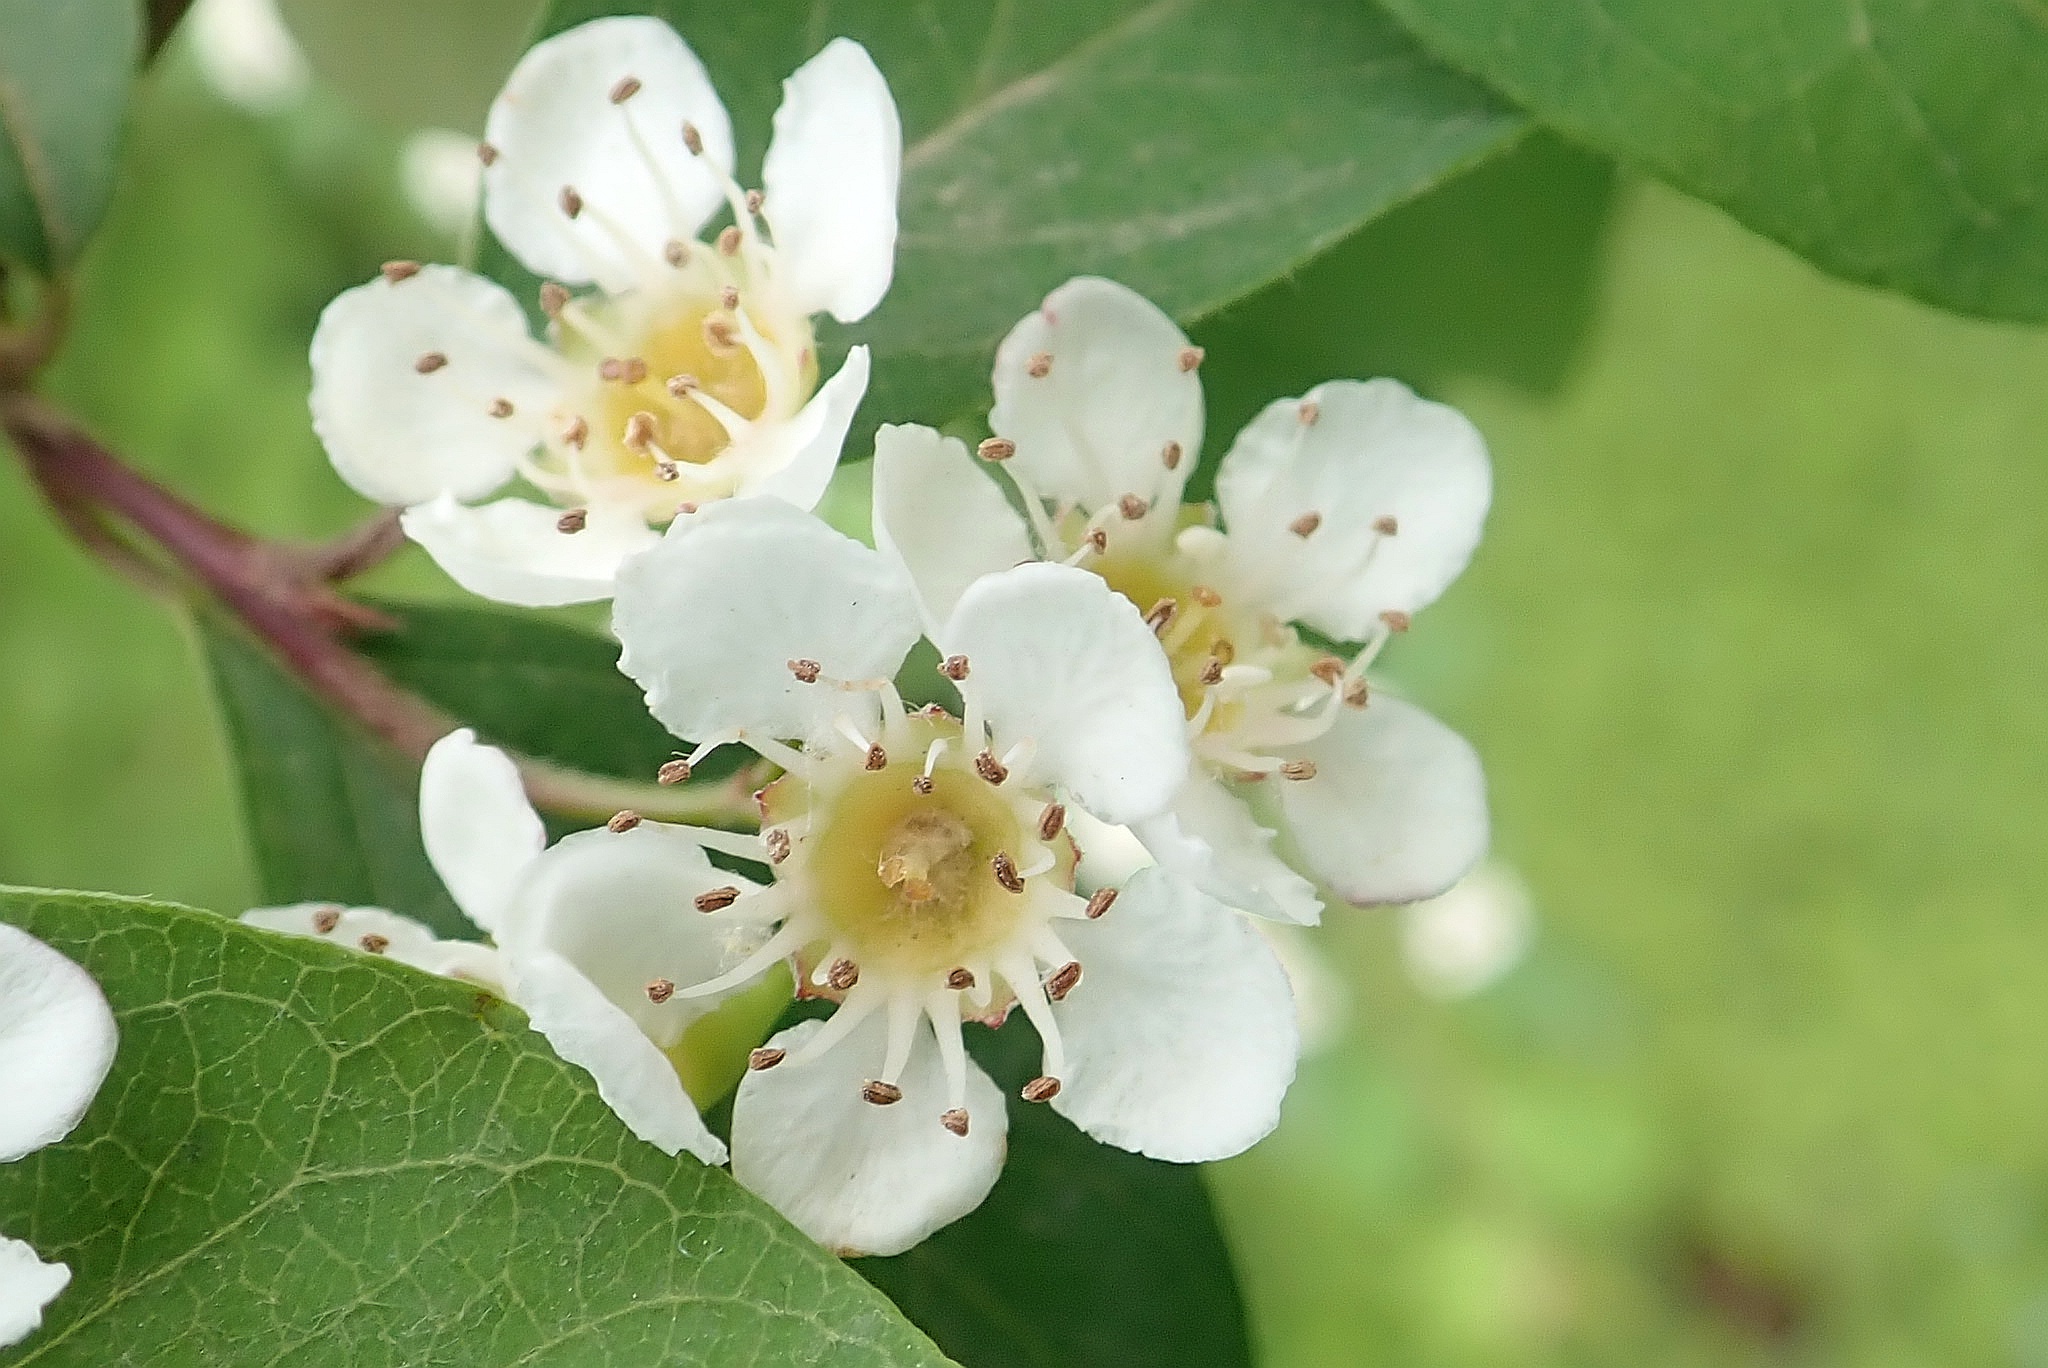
(944, 520)
(1210, 839)
(478, 828)
(27, 1285)
(1397, 808)
(1060, 660)
(556, 125)
(1119, 389)
(374, 931)
(712, 617)
(830, 183)
(514, 551)
(800, 455)
(57, 1041)
(632, 1075)
(1181, 1036)
(404, 375)
(1396, 487)
(855, 1177)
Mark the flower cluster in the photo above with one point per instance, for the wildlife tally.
(1141, 725)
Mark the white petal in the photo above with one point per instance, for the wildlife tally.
(711, 618)
(1180, 1036)
(513, 550)
(855, 1177)
(57, 1042)
(1374, 451)
(830, 183)
(943, 519)
(555, 125)
(401, 431)
(392, 936)
(1397, 809)
(1210, 839)
(1096, 425)
(27, 1285)
(479, 830)
(803, 452)
(1058, 658)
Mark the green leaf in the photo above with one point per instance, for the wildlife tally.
(309, 1156)
(1193, 149)
(333, 813)
(1890, 141)
(65, 69)
(391, 58)
(1083, 1256)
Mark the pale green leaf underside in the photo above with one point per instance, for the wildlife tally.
(1896, 142)
(306, 1156)
(65, 68)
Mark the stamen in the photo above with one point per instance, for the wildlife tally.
(729, 240)
(960, 979)
(1161, 616)
(1299, 769)
(1169, 455)
(577, 433)
(1308, 411)
(571, 203)
(954, 667)
(680, 385)
(729, 298)
(326, 919)
(717, 899)
(1205, 596)
(921, 785)
(1306, 524)
(1039, 366)
(429, 362)
(1396, 620)
(755, 199)
(676, 252)
(1355, 693)
(766, 1057)
(501, 407)
(877, 758)
(988, 767)
(1043, 861)
(1132, 507)
(623, 822)
(880, 1093)
(1043, 1088)
(1062, 980)
(575, 520)
(841, 975)
(673, 772)
(395, 271)
(554, 297)
(1051, 821)
(944, 1013)
(1099, 902)
(1190, 357)
(626, 89)
(777, 841)
(996, 449)
(1212, 673)
(692, 139)
(931, 755)
(806, 671)
(1386, 525)
(844, 726)
(660, 991)
(486, 153)
(374, 943)
(791, 935)
(1006, 872)
(1329, 669)
(954, 1120)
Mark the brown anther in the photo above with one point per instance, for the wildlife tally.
(1396, 620)
(680, 385)
(1355, 693)
(660, 991)
(429, 362)
(1006, 872)
(1132, 507)
(777, 841)
(1162, 615)
(1052, 821)
(675, 252)
(716, 899)
(960, 980)
(996, 449)
(755, 199)
(623, 821)
(1043, 1088)
(570, 201)
(326, 919)
(1298, 769)
(395, 271)
(575, 520)
(922, 785)
(1190, 357)
(729, 240)
(577, 433)
(610, 369)
(1098, 541)
(806, 671)
(719, 333)
(877, 758)
(640, 431)
(1329, 669)
(692, 139)
(667, 470)
(1306, 524)
(1099, 901)
(842, 975)
(501, 407)
(1212, 673)
(1062, 980)
(1386, 524)
(1205, 596)
(954, 667)
(1039, 366)
(880, 1093)
(633, 370)
(767, 1057)
(554, 297)
(626, 89)
(954, 1120)
(1308, 411)
(988, 767)
(1169, 455)
(685, 509)
(374, 943)
(672, 772)
(729, 297)
(486, 153)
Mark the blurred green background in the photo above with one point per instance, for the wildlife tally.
(1753, 653)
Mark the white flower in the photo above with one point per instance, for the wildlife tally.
(57, 1041)
(1345, 511)
(688, 374)
(924, 873)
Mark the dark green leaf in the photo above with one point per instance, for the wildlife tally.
(1891, 141)
(309, 1156)
(1083, 1256)
(1193, 149)
(65, 69)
